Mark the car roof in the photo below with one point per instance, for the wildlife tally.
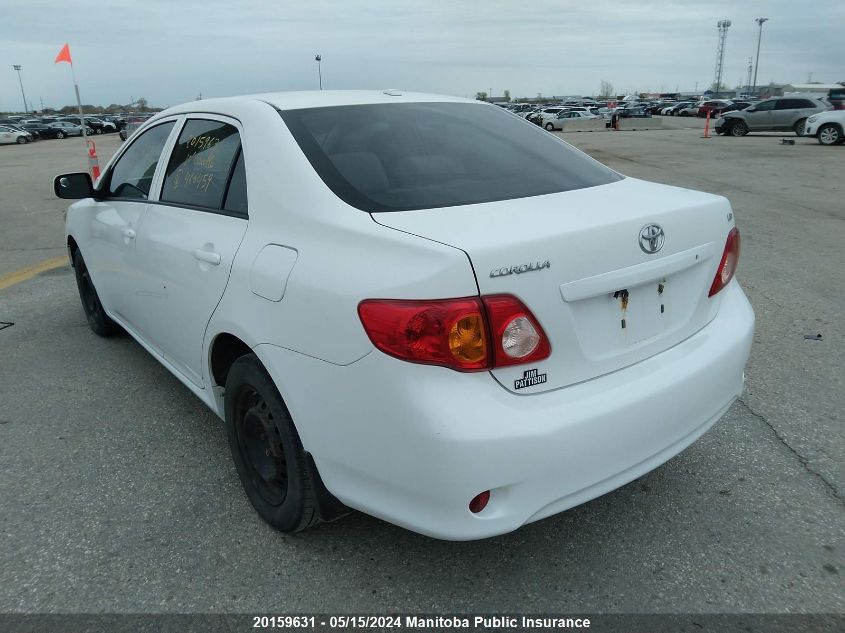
(318, 99)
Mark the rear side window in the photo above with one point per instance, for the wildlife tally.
(794, 104)
(199, 166)
(236, 194)
(133, 173)
(403, 156)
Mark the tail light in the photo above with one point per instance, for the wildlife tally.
(728, 264)
(468, 334)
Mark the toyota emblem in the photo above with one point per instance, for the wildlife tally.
(651, 238)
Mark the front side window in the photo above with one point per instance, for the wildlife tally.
(199, 167)
(132, 176)
(402, 156)
(765, 106)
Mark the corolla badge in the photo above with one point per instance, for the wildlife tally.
(651, 238)
(518, 270)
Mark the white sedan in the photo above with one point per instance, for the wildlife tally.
(413, 305)
(556, 122)
(828, 127)
(13, 135)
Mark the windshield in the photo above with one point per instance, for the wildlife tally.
(403, 156)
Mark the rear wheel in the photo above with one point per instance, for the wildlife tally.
(98, 320)
(829, 134)
(738, 128)
(266, 448)
(798, 128)
(60, 134)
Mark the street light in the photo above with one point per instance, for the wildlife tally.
(318, 59)
(20, 81)
(759, 21)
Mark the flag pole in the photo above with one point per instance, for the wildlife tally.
(79, 105)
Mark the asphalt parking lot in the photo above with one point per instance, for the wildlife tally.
(118, 494)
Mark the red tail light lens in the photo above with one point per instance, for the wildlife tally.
(469, 334)
(517, 336)
(727, 267)
(450, 332)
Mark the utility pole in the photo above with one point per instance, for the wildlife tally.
(759, 22)
(20, 81)
(319, 58)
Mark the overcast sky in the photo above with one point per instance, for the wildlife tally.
(169, 51)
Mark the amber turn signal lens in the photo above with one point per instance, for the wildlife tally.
(467, 339)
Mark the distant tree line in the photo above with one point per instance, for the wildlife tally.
(141, 105)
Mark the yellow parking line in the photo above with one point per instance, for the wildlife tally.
(28, 273)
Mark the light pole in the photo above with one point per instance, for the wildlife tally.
(318, 59)
(759, 21)
(20, 81)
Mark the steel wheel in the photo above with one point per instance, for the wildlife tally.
(829, 134)
(260, 446)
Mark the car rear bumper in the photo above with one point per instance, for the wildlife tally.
(414, 444)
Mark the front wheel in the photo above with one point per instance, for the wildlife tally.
(550, 127)
(738, 128)
(266, 449)
(98, 320)
(829, 134)
(798, 128)
(22, 140)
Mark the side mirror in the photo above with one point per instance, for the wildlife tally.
(73, 186)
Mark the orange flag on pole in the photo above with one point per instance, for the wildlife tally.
(64, 55)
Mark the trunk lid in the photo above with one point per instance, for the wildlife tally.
(575, 259)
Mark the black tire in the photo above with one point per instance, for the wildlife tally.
(798, 128)
(98, 131)
(98, 320)
(22, 140)
(60, 134)
(685, 114)
(738, 128)
(829, 134)
(266, 449)
(550, 127)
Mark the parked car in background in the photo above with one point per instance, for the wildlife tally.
(131, 125)
(828, 127)
(11, 135)
(634, 112)
(712, 106)
(734, 106)
(537, 117)
(780, 114)
(19, 128)
(688, 109)
(42, 130)
(371, 339)
(556, 122)
(673, 110)
(66, 128)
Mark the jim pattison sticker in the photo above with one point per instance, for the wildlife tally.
(530, 377)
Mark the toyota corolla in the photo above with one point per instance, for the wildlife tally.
(413, 305)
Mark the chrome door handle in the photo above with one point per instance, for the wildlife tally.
(129, 234)
(207, 256)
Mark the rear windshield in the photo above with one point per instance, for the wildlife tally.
(403, 156)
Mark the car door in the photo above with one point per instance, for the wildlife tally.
(784, 114)
(761, 117)
(114, 219)
(189, 238)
